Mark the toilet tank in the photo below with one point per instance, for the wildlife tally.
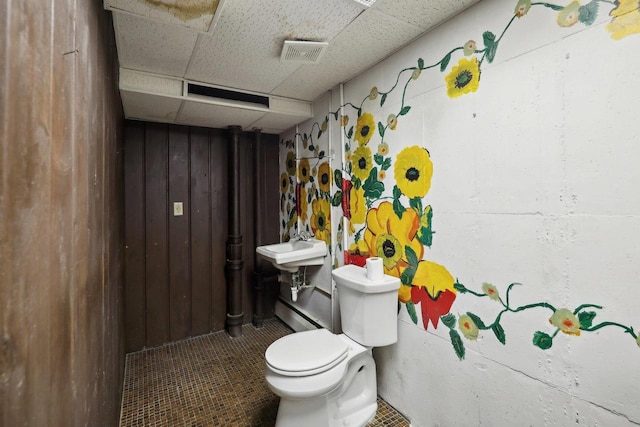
(368, 308)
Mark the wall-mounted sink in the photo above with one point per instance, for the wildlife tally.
(289, 256)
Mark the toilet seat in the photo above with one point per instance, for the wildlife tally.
(306, 353)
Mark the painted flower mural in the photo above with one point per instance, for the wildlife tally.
(384, 195)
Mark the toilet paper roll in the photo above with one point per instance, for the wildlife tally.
(375, 270)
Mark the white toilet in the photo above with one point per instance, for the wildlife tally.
(330, 380)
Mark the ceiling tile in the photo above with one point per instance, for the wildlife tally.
(244, 50)
(155, 108)
(194, 14)
(376, 35)
(147, 45)
(421, 13)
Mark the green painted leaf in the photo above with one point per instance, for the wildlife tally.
(457, 343)
(309, 197)
(373, 188)
(382, 99)
(381, 129)
(386, 164)
(420, 63)
(412, 258)
(378, 159)
(445, 62)
(499, 331)
(460, 287)
(336, 200)
(588, 13)
(416, 204)
(321, 154)
(411, 309)
(488, 38)
(406, 278)
(542, 340)
(404, 110)
(319, 134)
(449, 320)
(397, 206)
(337, 177)
(335, 115)
(425, 236)
(491, 52)
(553, 6)
(586, 319)
(350, 133)
(477, 320)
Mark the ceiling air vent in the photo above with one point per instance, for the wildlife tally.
(231, 95)
(308, 52)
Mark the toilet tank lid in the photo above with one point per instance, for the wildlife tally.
(354, 277)
(305, 351)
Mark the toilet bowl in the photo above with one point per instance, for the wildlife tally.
(329, 380)
(335, 387)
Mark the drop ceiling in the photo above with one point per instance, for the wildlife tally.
(164, 46)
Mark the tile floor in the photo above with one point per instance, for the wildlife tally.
(210, 380)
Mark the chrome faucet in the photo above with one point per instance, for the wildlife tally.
(303, 235)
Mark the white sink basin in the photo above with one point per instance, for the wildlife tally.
(289, 256)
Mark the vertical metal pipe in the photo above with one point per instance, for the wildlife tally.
(234, 238)
(258, 197)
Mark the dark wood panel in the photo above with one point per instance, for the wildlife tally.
(200, 213)
(157, 274)
(219, 222)
(179, 241)
(135, 249)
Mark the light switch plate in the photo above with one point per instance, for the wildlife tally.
(177, 209)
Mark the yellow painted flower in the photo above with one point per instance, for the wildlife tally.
(365, 127)
(304, 204)
(359, 248)
(566, 321)
(463, 78)
(435, 278)
(625, 19)
(304, 170)
(468, 327)
(347, 156)
(357, 205)
(416, 73)
(344, 120)
(382, 175)
(291, 163)
(392, 121)
(569, 15)
(469, 48)
(638, 340)
(522, 8)
(284, 183)
(324, 177)
(374, 93)
(413, 170)
(324, 125)
(491, 291)
(387, 236)
(320, 220)
(361, 162)
(383, 149)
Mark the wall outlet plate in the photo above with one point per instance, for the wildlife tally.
(177, 209)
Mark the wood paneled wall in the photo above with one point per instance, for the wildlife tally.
(61, 216)
(175, 265)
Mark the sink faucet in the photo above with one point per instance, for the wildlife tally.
(303, 235)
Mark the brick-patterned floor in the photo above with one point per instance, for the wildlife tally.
(210, 380)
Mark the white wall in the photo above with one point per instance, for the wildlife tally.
(535, 181)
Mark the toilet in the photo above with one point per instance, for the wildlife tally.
(325, 379)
